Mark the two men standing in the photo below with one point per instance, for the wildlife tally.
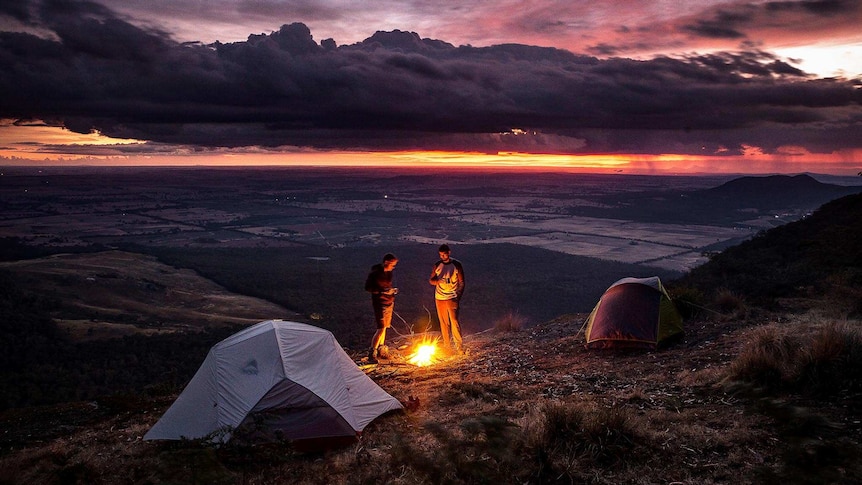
(447, 277)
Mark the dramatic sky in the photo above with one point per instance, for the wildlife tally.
(633, 86)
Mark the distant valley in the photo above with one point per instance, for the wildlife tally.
(662, 221)
(300, 241)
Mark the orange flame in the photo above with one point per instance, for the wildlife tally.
(424, 354)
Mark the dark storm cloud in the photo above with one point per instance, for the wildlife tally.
(396, 90)
(714, 30)
(819, 7)
(736, 21)
(16, 10)
(724, 25)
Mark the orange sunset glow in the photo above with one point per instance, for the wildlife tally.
(54, 146)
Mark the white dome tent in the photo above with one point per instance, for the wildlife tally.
(276, 380)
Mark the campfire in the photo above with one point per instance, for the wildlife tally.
(423, 355)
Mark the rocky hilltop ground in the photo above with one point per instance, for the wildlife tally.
(523, 406)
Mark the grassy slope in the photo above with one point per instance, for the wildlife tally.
(531, 406)
(116, 293)
(88, 325)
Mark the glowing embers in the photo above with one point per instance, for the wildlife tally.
(425, 353)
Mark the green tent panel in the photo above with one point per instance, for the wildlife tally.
(633, 312)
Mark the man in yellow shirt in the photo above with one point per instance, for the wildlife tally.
(448, 280)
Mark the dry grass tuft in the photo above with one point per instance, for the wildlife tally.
(819, 364)
(463, 392)
(729, 304)
(511, 322)
(555, 442)
(766, 359)
(562, 440)
(833, 360)
(480, 451)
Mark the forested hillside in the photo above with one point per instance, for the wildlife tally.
(817, 257)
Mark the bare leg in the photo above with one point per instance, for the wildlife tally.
(378, 339)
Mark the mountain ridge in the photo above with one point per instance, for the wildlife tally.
(776, 191)
(741, 201)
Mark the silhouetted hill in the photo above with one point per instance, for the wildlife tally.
(819, 256)
(774, 191)
(739, 201)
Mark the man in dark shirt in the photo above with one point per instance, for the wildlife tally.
(379, 284)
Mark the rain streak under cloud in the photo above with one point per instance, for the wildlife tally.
(477, 85)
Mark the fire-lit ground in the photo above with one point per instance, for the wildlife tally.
(693, 430)
(418, 350)
(679, 424)
(549, 362)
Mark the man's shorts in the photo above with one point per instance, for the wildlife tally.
(383, 315)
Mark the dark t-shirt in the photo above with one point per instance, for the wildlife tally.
(377, 282)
